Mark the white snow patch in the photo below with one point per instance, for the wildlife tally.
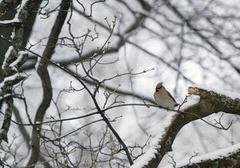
(14, 20)
(5, 96)
(37, 63)
(7, 54)
(12, 34)
(210, 156)
(145, 158)
(19, 59)
(10, 78)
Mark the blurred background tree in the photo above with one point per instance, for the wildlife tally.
(77, 78)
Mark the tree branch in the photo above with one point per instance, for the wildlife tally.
(210, 102)
(45, 80)
(227, 157)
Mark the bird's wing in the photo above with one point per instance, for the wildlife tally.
(171, 96)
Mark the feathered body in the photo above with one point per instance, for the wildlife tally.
(163, 97)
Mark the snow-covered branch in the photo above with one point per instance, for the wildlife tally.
(221, 158)
(13, 41)
(210, 102)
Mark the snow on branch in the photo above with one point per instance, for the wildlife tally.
(9, 23)
(210, 102)
(15, 56)
(221, 158)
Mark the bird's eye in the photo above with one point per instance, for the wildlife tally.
(158, 88)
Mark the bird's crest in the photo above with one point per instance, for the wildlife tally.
(159, 85)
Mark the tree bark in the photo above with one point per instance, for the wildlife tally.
(46, 82)
(210, 102)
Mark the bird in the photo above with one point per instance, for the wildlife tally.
(163, 98)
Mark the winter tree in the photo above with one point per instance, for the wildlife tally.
(78, 77)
